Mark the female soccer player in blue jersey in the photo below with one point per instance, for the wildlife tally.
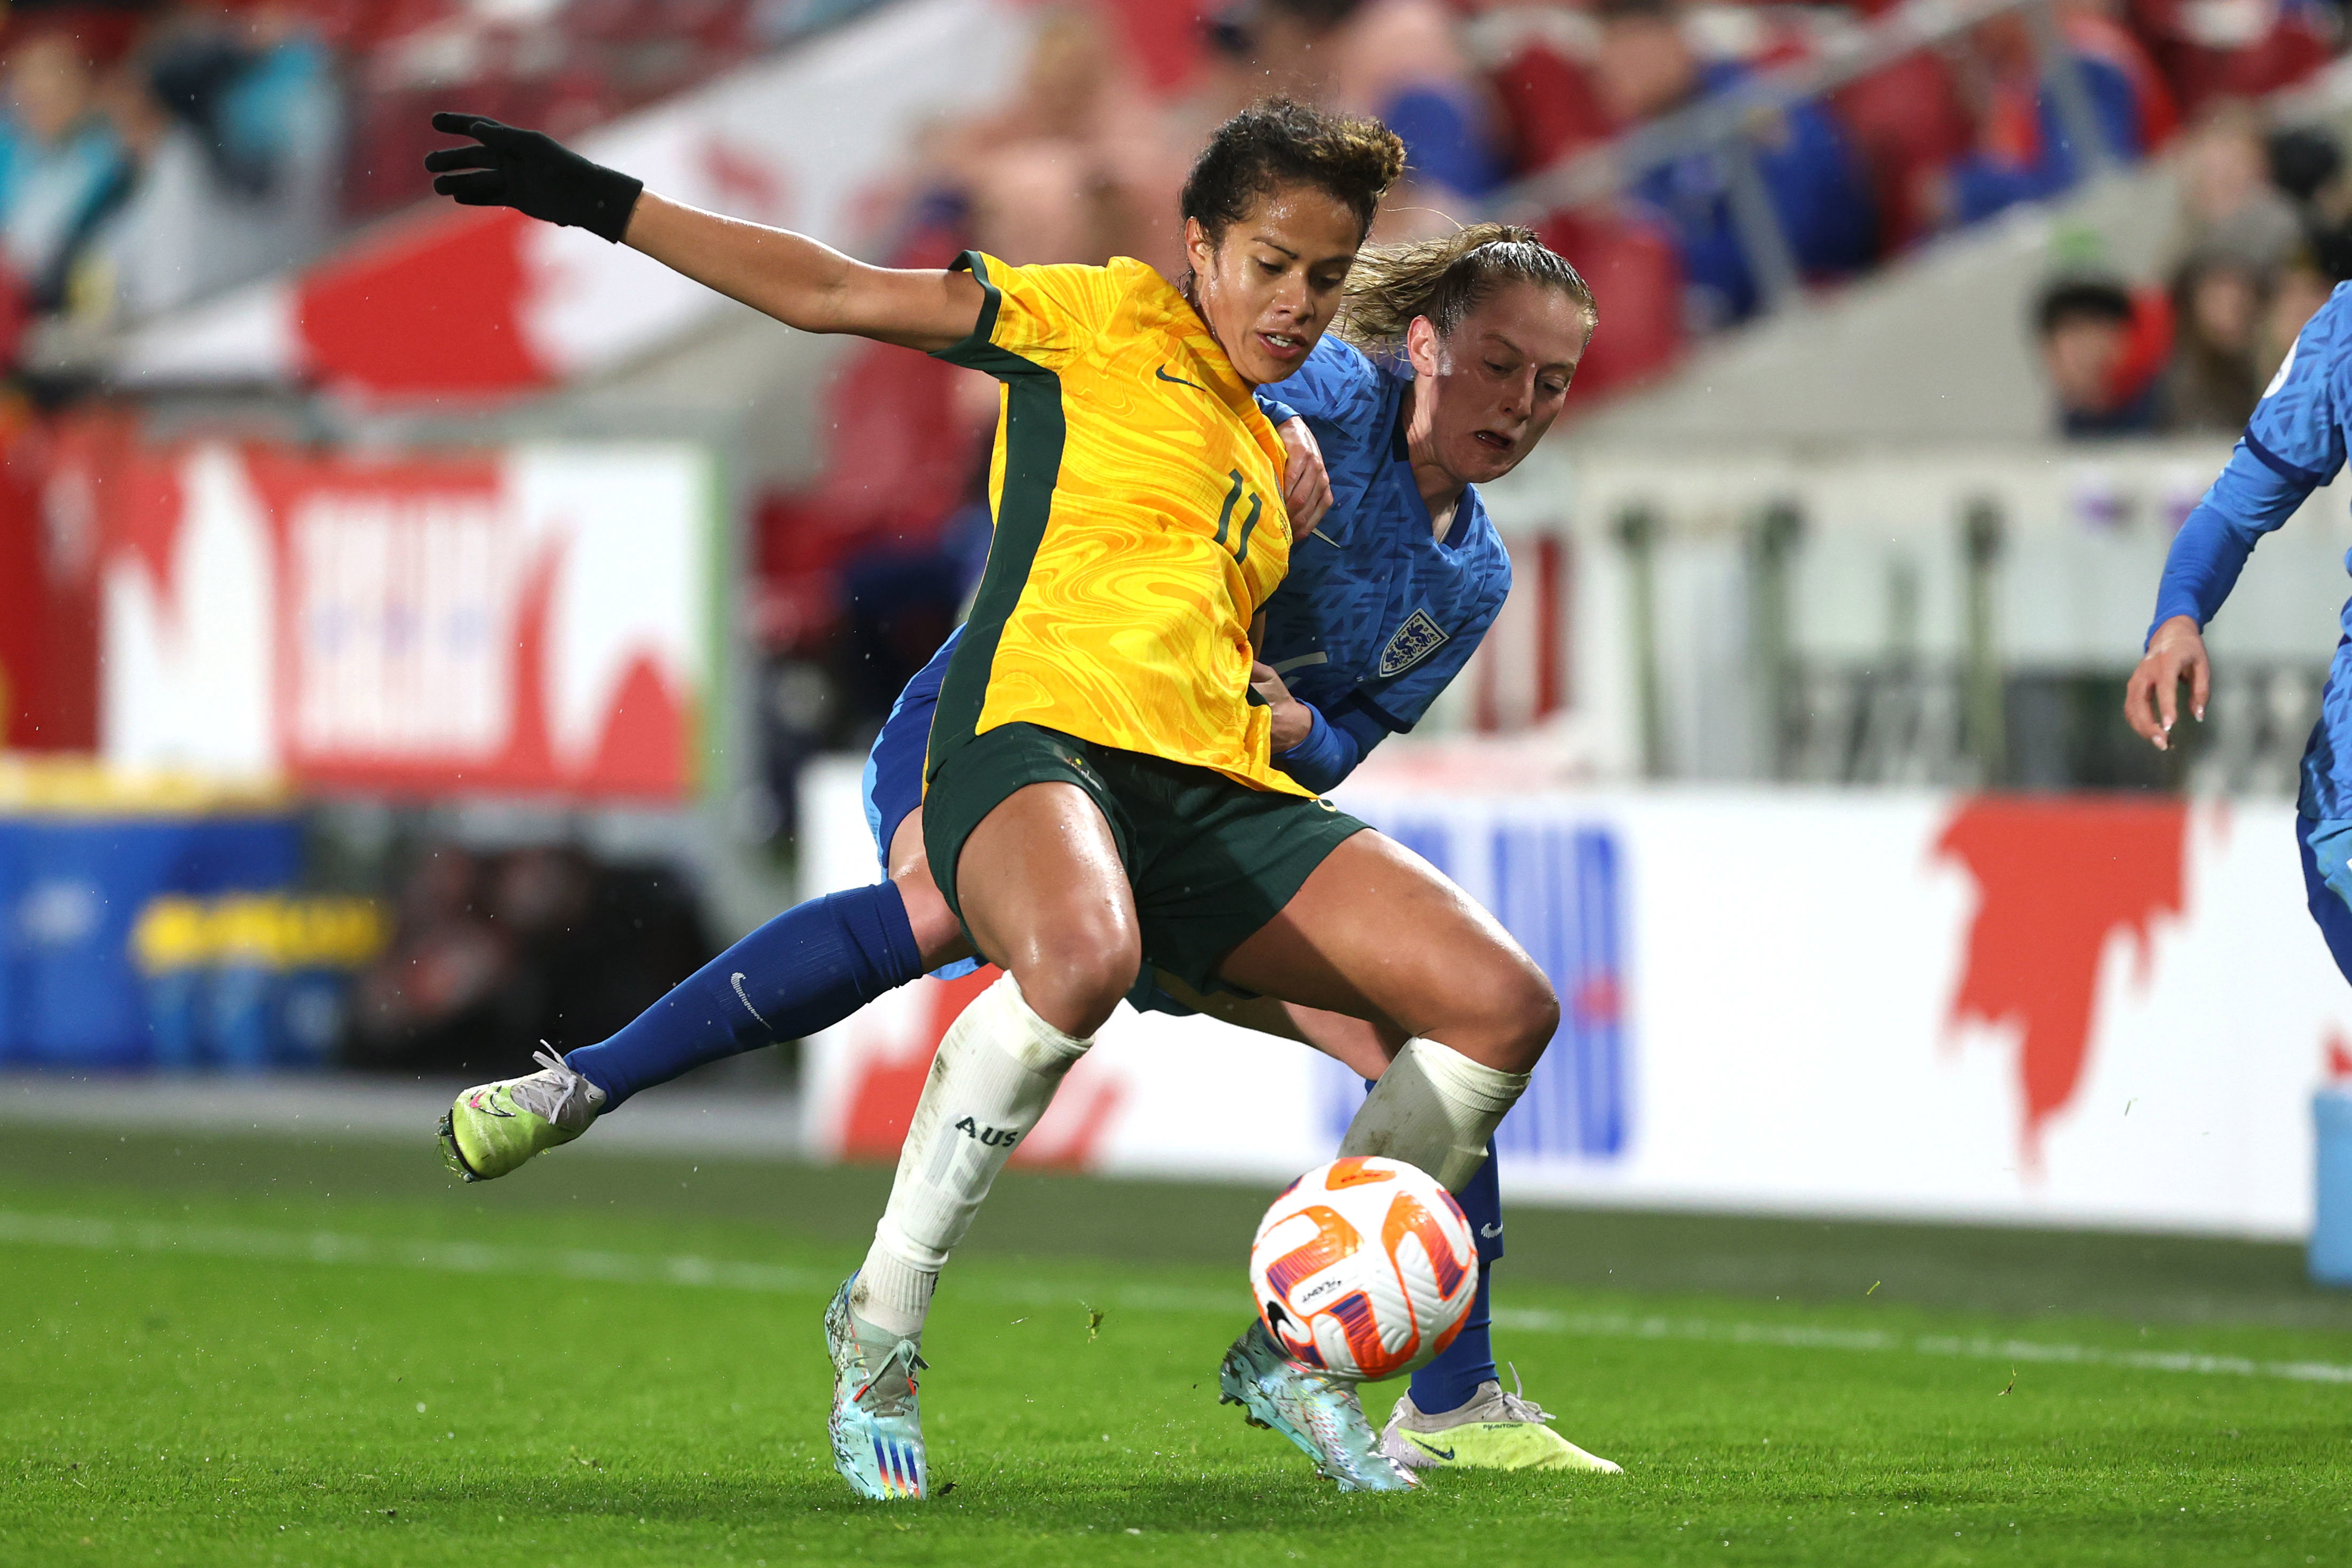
(1472, 339)
(2293, 445)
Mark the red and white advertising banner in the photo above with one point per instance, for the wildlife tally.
(536, 619)
(484, 302)
(2074, 1010)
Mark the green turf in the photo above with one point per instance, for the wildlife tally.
(178, 1389)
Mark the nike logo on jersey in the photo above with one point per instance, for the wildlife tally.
(1490, 1231)
(1162, 373)
(736, 979)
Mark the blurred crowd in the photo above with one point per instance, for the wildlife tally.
(1490, 95)
(150, 156)
(156, 152)
(2263, 236)
(861, 573)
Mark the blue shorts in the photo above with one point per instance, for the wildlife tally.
(2326, 847)
(894, 768)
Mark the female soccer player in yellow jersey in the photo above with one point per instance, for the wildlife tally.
(1099, 787)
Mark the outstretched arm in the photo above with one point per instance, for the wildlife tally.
(803, 284)
(787, 276)
(2255, 493)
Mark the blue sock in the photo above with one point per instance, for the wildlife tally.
(807, 969)
(1447, 1383)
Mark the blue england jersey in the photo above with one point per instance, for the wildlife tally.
(2293, 445)
(1378, 615)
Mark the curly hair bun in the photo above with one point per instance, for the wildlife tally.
(1280, 142)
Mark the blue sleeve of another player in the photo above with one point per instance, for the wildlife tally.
(2293, 445)
(1331, 750)
(1328, 755)
(1335, 379)
(2249, 500)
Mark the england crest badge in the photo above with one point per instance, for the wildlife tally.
(1417, 639)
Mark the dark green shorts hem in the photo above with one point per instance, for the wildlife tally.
(977, 777)
(1210, 860)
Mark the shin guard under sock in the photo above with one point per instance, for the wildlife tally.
(995, 1073)
(1436, 1109)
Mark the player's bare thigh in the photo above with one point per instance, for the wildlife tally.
(1047, 897)
(938, 936)
(1377, 933)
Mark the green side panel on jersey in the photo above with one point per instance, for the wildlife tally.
(1035, 431)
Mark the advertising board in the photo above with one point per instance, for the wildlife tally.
(531, 620)
(2104, 1011)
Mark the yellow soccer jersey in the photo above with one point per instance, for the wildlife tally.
(1137, 489)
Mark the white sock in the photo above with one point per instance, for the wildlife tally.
(1435, 1108)
(995, 1072)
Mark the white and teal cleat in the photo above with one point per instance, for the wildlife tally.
(494, 1127)
(1492, 1431)
(1319, 1413)
(877, 1424)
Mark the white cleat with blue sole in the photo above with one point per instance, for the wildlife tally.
(877, 1424)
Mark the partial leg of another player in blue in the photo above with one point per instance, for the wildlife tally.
(1457, 1413)
(805, 970)
(2327, 848)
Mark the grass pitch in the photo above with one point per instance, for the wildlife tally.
(216, 1351)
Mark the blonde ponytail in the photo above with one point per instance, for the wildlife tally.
(1444, 279)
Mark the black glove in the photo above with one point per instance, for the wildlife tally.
(533, 173)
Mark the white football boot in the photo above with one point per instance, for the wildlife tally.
(877, 1424)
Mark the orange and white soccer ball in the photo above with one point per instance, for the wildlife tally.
(1364, 1269)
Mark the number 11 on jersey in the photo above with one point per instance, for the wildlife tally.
(1249, 522)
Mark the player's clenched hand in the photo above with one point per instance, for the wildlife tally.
(1305, 483)
(1292, 721)
(533, 173)
(2152, 696)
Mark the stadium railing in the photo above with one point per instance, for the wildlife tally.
(1913, 616)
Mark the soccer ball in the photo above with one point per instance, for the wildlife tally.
(1364, 1269)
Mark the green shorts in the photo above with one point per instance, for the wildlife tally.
(1210, 860)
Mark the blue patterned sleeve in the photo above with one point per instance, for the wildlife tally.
(2293, 445)
(1331, 386)
(1328, 755)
